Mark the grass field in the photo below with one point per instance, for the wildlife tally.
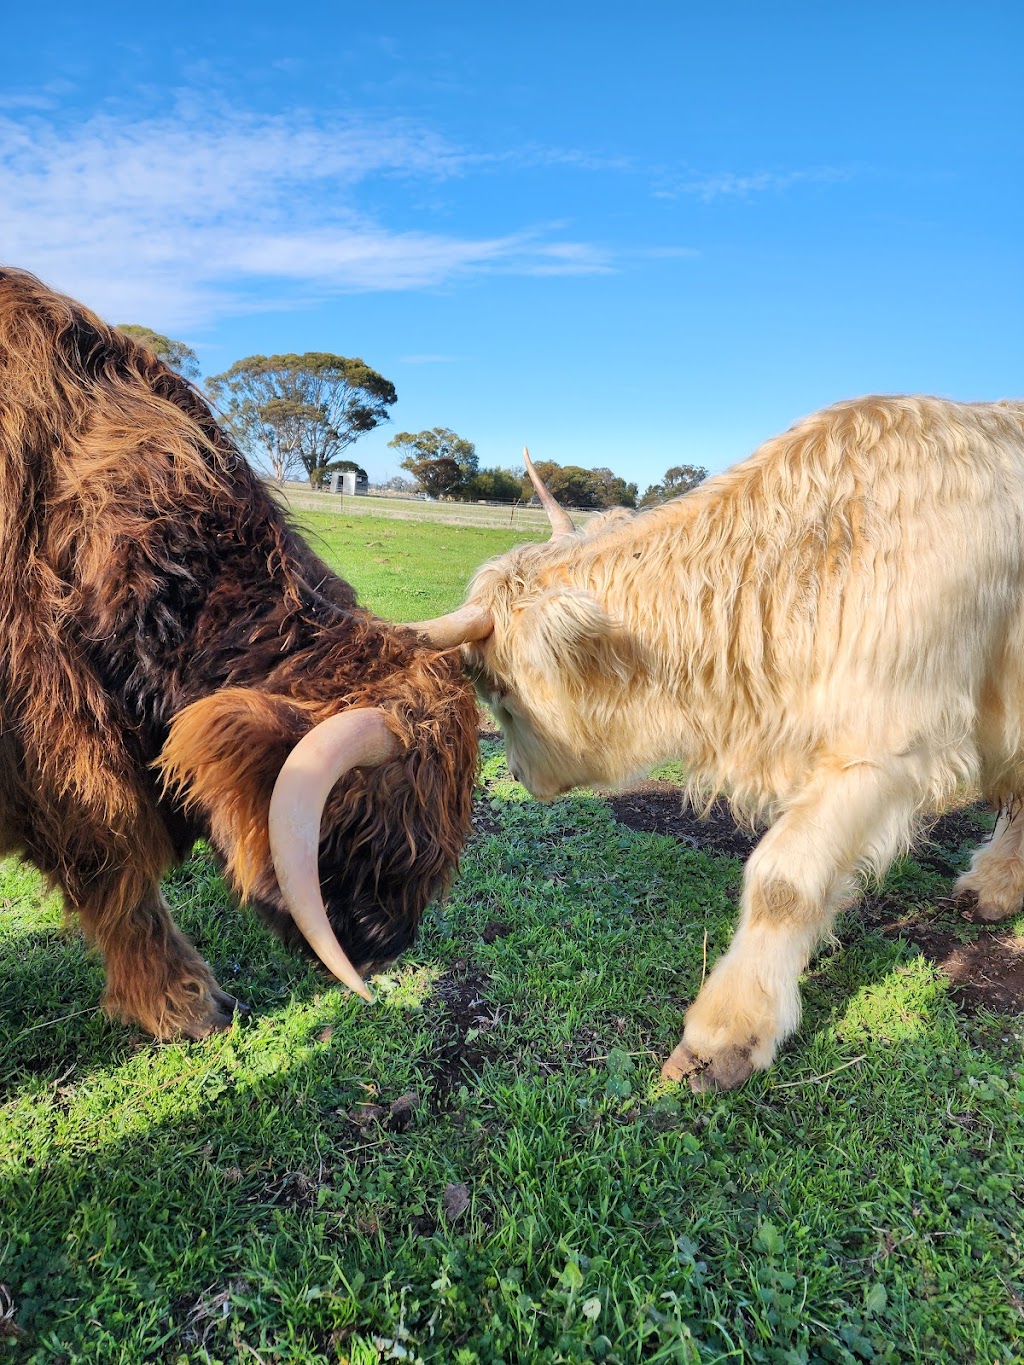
(483, 1166)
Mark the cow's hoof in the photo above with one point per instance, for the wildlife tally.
(230, 1004)
(977, 911)
(725, 1071)
(219, 1015)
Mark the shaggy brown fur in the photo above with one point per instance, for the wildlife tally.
(165, 639)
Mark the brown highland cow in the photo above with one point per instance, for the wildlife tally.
(175, 663)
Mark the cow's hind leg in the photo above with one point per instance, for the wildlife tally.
(801, 873)
(993, 887)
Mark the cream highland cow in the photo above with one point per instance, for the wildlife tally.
(831, 633)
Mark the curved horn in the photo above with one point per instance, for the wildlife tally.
(470, 622)
(561, 522)
(354, 739)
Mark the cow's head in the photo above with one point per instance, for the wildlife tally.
(340, 826)
(548, 657)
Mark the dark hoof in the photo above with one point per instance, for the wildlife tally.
(220, 1016)
(977, 911)
(729, 1069)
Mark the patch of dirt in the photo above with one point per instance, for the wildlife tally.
(455, 1201)
(496, 929)
(396, 1119)
(460, 1021)
(656, 807)
(292, 1190)
(486, 818)
(948, 835)
(985, 974)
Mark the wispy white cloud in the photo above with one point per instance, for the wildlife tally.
(26, 101)
(734, 185)
(44, 97)
(180, 219)
(536, 154)
(568, 258)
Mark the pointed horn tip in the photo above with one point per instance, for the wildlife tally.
(561, 522)
(357, 738)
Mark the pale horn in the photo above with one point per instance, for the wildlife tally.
(470, 622)
(353, 739)
(561, 523)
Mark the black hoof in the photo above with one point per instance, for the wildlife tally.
(229, 1005)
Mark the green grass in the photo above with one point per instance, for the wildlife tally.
(249, 1198)
(404, 570)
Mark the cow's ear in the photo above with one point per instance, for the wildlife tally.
(568, 634)
(221, 760)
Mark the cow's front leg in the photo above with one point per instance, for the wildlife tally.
(155, 977)
(751, 1001)
(800, 874)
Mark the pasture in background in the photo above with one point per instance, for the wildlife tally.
(528, 521)
(403, 570)
(484, 1166)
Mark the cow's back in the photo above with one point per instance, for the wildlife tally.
(857, 584)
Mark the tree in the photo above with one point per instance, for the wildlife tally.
(611, 490)
(570, 484)
(495, 485)
(442, 462)
(340, 466)
(680, 479)
(396, 484)
(173, 353)
(277, 426)
(292, 410)
(439, 478)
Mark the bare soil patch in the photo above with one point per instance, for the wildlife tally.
(460, 1021)
(987, 973)
(656, 807)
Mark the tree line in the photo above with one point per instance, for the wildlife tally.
(303, 412)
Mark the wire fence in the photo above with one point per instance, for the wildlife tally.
(517, 516)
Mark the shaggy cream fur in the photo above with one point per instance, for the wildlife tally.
(831, 633)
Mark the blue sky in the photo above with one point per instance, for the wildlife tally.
(625, 235)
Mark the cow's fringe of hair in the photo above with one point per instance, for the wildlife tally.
(223, 756)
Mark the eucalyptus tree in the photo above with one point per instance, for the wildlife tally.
(301, 411)
(173, 353)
